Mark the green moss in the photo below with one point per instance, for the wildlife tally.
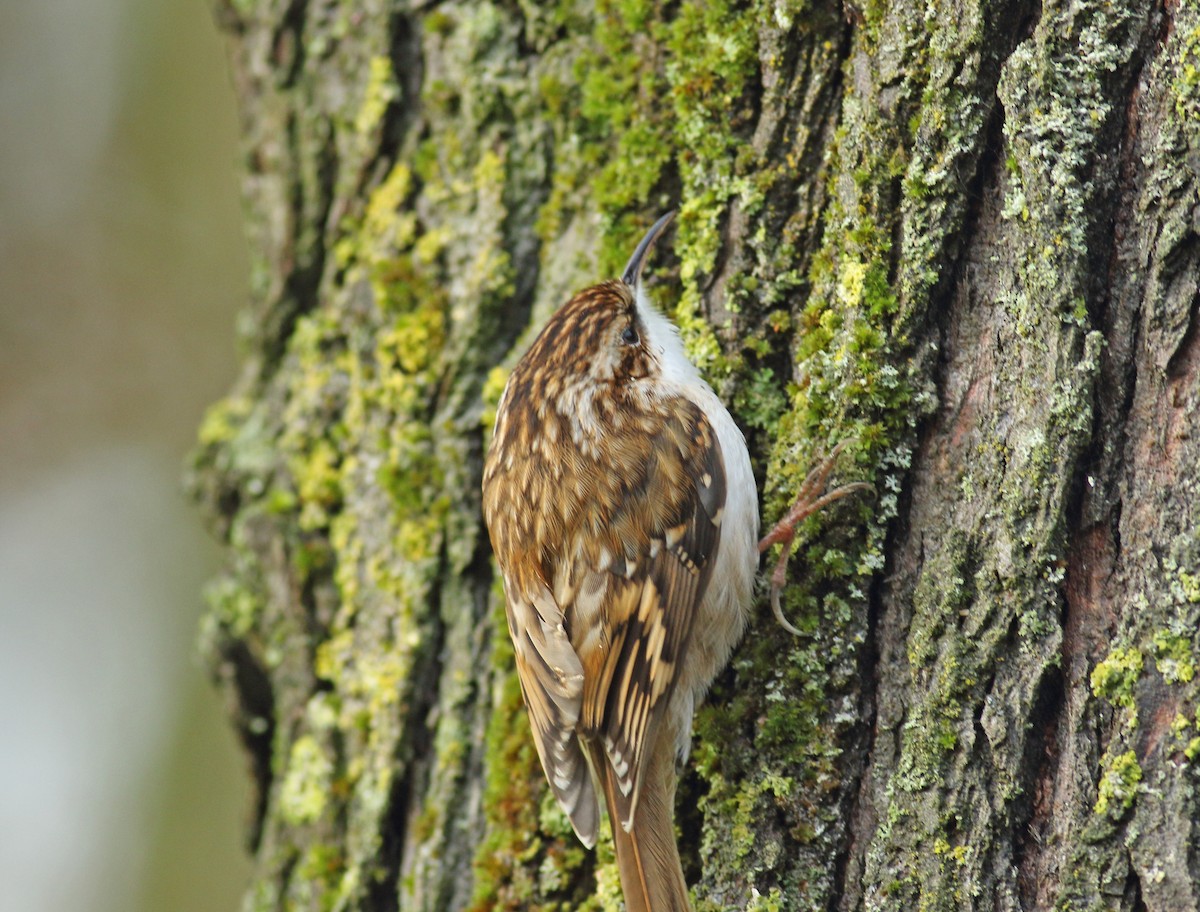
(306, 782)
(1116, 676)
(323, 864)
(957, 854)
(761, 402)
(713, 56)
(792, 754)
(1186, 85)
(318, 483)
(1189, 587)
(234, 606)
(624, 126)
(639, 122)
(772, 901)
(367, 377)
(223, 419)
(439, 22)
(380, 91)
(741, 805)
(1120, 782)
(1174, 657)
(1192, 751)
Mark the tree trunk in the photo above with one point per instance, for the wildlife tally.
(963, 236)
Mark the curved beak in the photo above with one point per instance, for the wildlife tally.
(633, 269)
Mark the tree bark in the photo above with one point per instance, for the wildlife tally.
(962, 235)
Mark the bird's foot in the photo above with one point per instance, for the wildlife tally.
(811, 498)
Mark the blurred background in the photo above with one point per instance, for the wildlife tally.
(122, 265)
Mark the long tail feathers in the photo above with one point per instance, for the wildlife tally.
(647, 856)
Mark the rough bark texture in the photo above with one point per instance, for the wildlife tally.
(962, 234)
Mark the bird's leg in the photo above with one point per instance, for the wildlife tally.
(809, 500)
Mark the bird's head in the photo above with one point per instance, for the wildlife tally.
(605, 333)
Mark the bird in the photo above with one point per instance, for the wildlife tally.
(622, 509)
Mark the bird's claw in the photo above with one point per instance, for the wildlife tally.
(809, 500)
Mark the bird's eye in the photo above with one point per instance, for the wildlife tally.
(630, 335)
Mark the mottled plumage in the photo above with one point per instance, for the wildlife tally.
(623, 513)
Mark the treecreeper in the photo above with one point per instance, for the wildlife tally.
(623, 513)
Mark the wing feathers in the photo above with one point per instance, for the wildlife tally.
(650, 633)
(551, 679)
(601, 626)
